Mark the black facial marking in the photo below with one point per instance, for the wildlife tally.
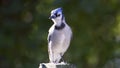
(62, 17)
(60, 27)
(56, 14)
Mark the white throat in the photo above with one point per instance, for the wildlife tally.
(58, 22)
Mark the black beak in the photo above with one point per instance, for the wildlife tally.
(52, 17)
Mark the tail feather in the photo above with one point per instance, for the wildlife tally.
(55, 58)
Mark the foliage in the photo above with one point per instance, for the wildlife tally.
(24, 27)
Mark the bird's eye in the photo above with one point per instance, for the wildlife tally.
(58, 15)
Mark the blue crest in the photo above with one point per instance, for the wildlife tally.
(57, 10)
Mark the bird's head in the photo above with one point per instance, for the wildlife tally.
(56, 15)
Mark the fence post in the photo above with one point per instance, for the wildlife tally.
(58, 65)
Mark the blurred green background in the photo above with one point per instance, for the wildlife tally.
(24, 27)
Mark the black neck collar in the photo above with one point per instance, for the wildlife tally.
(60, 27)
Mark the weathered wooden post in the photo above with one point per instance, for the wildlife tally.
(58, 65)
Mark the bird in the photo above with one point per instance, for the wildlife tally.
(59, 36)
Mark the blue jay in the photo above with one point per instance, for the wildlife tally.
(59, 36)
